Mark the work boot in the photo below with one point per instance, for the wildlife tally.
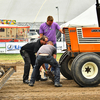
(58, 85)
(31, 84)
(26, 81)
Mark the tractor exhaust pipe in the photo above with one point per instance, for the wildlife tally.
(98, 11)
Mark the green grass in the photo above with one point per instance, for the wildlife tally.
(17, 57)
(58, 56)
(10, 57)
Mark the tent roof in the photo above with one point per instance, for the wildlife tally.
(87, 19)
(38, 10)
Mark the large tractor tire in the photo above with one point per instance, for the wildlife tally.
(86, 69)
(66, 67)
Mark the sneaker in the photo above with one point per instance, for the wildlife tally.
(44, 79)
(58, 85)
(31, 84)
(26, 81)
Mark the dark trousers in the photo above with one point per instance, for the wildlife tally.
(46, 59)
(29, 58)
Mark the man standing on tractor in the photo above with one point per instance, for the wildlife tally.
(49, 29)
(46, 54)
(28, 53)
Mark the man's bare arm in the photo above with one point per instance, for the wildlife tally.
(41, 34)
(49, 67)
(44, 67)
(54, 56)
(61, 31)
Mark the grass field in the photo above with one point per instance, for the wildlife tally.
(17, 57)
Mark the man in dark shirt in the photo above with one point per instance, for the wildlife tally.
(46, 54)
(28, 53)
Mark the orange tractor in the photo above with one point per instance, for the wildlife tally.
(81, 61)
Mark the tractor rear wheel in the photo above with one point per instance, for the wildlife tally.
(66, 67)
(85, 69)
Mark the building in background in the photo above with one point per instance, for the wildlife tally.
(9, 32)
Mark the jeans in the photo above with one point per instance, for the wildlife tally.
(28, 59)
(46, 59)
(46, 65)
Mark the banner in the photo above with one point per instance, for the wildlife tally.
(14, 47)
(10, 22)
(2, 47)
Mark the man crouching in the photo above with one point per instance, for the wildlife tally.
(46, 54)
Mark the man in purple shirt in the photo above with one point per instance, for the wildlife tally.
(49, 29)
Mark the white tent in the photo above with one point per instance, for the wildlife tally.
(38, 10)
(87, 19)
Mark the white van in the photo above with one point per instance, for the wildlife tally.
(33, 35)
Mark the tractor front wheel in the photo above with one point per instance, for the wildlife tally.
(86, 69)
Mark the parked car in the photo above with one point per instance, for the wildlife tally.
(33, 35)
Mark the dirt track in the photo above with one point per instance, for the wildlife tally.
(14, 89)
